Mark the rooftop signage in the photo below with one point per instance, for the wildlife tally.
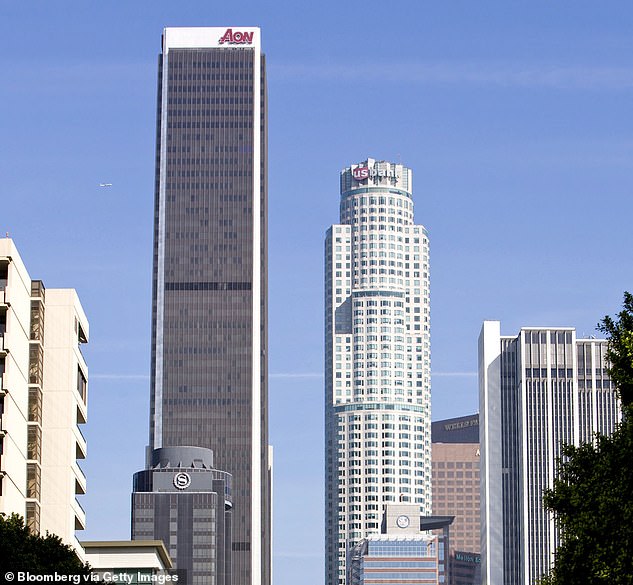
(204, 37)
(182, 480)
(473, 422)
(468, 557)
(236, 38)
(362, 173)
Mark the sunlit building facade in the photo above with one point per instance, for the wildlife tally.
(377, 364)
(405, 553)
(538, 391)
(43, 401)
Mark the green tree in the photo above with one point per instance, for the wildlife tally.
(592, 497)
(22, 551)
(619, 332)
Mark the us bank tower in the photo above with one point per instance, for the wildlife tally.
(377, 358)
(209, 303)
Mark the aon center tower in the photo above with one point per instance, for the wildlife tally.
(377, 358)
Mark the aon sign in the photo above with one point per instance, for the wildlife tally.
(236, 38)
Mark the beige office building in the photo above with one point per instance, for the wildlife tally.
(456, 492)
(455, 467)
(43, 395)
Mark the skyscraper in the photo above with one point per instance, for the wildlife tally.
(456, 489)
(377, 364)
(537, 391)
(184, 502)
(209, 304)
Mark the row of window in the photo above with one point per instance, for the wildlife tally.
(207, 112)
(221, 124)
(185, 59)
(381, 237)
(209, 100)
(355, 202)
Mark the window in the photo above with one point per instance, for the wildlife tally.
(33, 517)
(33, 481)
(34, 443)
(4, 275)
(81, 384)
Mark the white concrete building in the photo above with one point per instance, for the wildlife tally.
(377, 364)
(43, 400)
(537, 391)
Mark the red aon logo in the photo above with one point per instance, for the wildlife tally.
(236, 38)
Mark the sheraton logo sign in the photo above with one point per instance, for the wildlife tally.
(236, 38)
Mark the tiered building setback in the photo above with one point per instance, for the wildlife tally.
(43, 400)
(377, 364)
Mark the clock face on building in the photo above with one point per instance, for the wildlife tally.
(402, 521)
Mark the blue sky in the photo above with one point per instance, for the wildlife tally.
(515, 118)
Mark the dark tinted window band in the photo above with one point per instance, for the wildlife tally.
(208, 286)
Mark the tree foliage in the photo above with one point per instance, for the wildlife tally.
(22, 551)
(592, 497)
(619, 332)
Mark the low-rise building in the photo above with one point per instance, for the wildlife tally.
(129, 561)
(405, 551)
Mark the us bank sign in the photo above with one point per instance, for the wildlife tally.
(363, 173)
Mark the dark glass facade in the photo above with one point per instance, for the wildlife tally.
(185, 502)
(463, 429)
(209, 322)
(465, 568)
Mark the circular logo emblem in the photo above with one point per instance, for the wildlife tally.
(182, 480)
(402, 521)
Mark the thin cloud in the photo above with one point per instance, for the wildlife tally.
(475, 73)
(297, 555)
(83, 76)
(119, 376)
(297, 375)
(285, 375)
